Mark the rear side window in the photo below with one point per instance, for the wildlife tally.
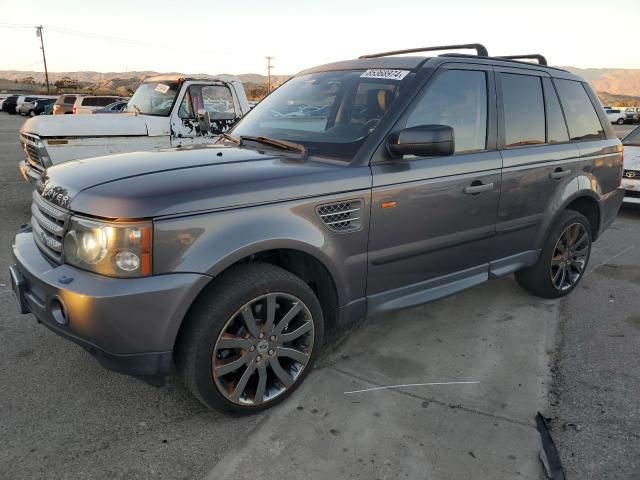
(523, 110)
(89, 102)
(457, 98)
(582, 118)
(556, 126)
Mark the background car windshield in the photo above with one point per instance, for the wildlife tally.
(330, 113)
(633, 139)
(155, 98)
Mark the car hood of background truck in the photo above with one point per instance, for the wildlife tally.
(96, 125)
(192, 179)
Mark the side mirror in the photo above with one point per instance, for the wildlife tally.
(204, 121)
(422, 141)
(215, 123)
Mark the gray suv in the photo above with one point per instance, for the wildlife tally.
(355, 188)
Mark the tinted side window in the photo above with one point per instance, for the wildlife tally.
(582, 118)
(523, 110)
(457, 98)
(89, 102)
(556, 126)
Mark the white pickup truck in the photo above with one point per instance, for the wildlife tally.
(165, 111)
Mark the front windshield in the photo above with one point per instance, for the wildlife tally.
(330, 113)
(154, 98)
(633, 139)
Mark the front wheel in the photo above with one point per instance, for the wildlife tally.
(251, 339)
(563, 259)
(620, 121)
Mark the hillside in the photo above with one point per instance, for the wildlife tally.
(615, 86)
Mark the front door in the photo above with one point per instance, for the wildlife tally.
(217, 100)
(433, 219)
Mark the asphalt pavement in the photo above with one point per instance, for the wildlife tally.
(64, 417)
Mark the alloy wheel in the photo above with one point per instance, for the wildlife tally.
(570, 257)
(263, 348)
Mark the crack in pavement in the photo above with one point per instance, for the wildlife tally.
(434, 401)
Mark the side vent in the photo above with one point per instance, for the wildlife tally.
(341, 216)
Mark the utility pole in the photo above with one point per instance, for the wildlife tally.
(44, 58)
(269, 67)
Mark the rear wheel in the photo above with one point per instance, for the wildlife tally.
(563, 259)
(620, 121)
(251, 340)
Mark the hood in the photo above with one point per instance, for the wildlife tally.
(192, 179)
(86, 125)
(631, 158)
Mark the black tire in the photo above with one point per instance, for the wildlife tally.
(539, 278)
(620, 121)
(210, 317)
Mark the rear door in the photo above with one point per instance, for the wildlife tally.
(429, 226)
(540, 162)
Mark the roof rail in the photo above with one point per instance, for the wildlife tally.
(479, 48)
(534, 56)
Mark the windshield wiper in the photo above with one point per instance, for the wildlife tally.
(231, 138)
(280, 144)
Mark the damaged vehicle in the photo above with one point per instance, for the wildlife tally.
(165, 111)
(415, 178)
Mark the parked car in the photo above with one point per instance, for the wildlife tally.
(90, 103)
(9, 105)
(232, 259)
(42, 106)
(615, 116)
(115, 107)
(64, 104)
(2, 99)
(632, 115)
(165, 111)
(631, 174)
(25, 107)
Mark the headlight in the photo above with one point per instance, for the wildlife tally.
(113, 249)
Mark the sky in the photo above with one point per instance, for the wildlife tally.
(213, 37)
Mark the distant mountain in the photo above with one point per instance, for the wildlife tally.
(614, 85)
(617, 81)
(102, 78)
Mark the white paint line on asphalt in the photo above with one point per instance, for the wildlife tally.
(622, 252)
(411, 385)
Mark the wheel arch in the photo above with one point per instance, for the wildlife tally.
(298, 261)
(585, 202)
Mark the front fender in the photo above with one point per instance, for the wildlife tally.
(210, 243)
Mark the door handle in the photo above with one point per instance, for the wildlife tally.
(559, 173)
(478, 187)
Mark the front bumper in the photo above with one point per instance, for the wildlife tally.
(28, 172)
(632, 190)
(130, 325)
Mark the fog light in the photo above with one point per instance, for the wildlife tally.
(127, 261)
(59, 312)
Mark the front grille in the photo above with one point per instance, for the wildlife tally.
(31, 152)
(341, 216)
(49, 223)
(632, 174)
